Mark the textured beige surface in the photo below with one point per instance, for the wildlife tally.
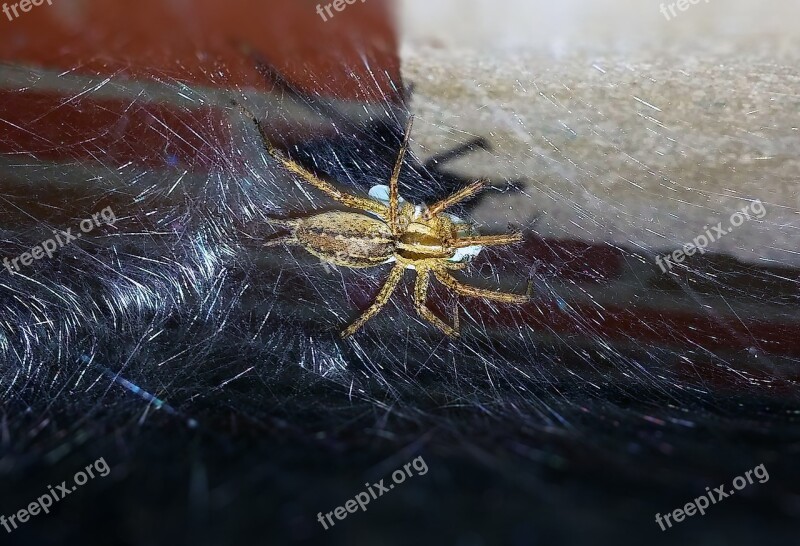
(630, 134)
(610, 26)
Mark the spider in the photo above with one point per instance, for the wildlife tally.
(424, 238)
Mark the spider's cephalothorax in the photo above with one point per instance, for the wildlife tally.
(389, 230)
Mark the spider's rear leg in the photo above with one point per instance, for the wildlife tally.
(286, 223)
(281, 240)
(420, 303)
(380, 300)
(287, 239)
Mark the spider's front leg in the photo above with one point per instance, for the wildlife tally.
(394, 196)
(296, 168)
(461, 195)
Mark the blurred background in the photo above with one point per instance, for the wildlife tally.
(207, 370)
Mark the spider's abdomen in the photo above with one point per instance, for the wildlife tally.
(346, 238)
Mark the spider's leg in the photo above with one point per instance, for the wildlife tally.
(287, 240)
(435, 166)
(420, 298)
(380, 300)
(487, 240)
(281, 222)
(471, 291)
(295, 168)
(456, 321)
(393, 191)
(460, 195)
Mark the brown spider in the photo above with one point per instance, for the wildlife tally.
(415, 237)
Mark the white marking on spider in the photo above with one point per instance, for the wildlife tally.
(380, 193)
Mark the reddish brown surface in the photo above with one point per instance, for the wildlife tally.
(44, 126)
(203, 42)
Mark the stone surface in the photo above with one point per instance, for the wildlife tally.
(627, 128)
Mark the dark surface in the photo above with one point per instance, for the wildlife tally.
(259, 467)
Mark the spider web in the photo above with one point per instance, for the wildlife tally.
(176, 316)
